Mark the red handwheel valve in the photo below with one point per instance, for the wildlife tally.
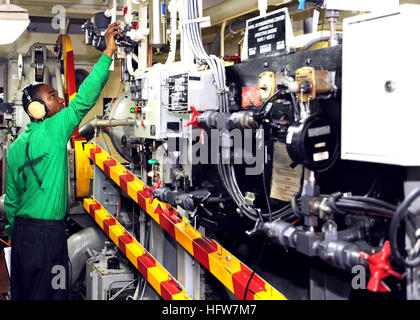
(194, 122)
(194, 118)
(380, 268)
(151, 190)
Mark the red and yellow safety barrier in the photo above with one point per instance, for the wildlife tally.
(233, 274)
(164, 284)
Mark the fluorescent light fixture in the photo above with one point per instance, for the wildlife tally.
(13, 22)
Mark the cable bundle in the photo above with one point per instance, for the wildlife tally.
(192, 32)
(344, 204)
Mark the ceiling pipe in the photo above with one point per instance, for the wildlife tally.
(228, 10)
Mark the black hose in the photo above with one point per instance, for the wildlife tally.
(394, 226)
(349, 204)
(340, 204)
(373, 201)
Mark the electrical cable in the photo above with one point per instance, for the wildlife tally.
(373, 201)
(342, 204)
(122, 289)
(267, 198)
(5, 242)
(255, 267)
(146, 246)
(346, 204)
(191, 31)
(401, 212)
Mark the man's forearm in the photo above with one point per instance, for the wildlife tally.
(108, 52)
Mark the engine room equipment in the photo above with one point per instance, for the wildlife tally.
(103, 280)
(209, 253)
(94, 29)
(183, 128)
(310, 82)
(218, 161)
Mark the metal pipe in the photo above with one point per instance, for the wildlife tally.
(228, 10)
(222, 40)
(340, 253)
(129, 122)
(314, 41)
(78, 243)
(87, 131)
(157, 24)
(332, 16)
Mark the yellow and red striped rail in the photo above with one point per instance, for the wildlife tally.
(164, 284)
(231, 272)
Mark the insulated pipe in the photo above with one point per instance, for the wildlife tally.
(222, 40)
(114, 11)
(135, 57)
(130, 68)
(77, 244)
(313, 42)
(128, 17)
(262, 7)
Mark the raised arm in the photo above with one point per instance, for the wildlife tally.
(63, 124)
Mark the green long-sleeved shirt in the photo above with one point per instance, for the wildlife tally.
(37, 165)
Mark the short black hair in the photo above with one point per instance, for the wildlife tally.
(33, 92)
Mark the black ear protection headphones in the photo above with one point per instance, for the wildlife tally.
(36, 108)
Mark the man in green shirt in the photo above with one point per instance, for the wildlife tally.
(37, 183)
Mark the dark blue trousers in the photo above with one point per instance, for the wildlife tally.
(39, 260)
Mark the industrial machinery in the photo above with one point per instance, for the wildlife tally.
(289, 175)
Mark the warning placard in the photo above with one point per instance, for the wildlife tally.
(285, 181)
(251, 97)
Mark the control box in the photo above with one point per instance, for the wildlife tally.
(186, 90)
(380, 112)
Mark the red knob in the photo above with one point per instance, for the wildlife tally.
(194, 118)
(380, 268)
(151, 190)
